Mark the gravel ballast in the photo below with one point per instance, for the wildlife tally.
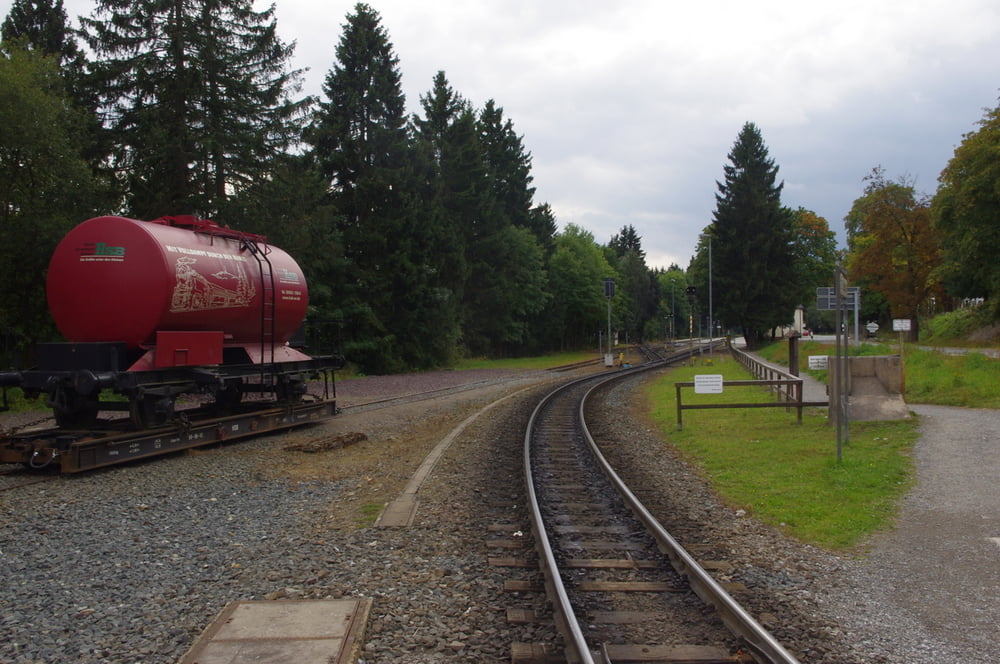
(130, 564)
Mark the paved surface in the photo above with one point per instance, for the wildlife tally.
(284, 632)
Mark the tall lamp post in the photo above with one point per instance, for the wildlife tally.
(609, 292)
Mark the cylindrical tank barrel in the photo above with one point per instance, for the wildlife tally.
(119, 279)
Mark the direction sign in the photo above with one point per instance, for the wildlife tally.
(826, 300)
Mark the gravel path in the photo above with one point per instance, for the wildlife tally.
(130, 564)
(938, 572)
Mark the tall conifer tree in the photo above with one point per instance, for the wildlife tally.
(509, 167)
(456, 184)
(361, 142)
(197, 95)
(752, 255)
(43, 26)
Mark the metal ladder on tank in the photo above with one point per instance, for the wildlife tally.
(267, 308)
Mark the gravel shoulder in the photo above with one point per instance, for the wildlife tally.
(130, 564)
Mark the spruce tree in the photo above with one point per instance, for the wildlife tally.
(509, 168)
(42, 26)
(362, 146)
(753, 272)
(197, 96)
(455, 191)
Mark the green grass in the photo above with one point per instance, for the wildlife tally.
(961, 380)
(17, 403)
(369, 514)
(954, 328)
(787, 474)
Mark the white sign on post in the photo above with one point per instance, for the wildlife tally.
(819, 362)
(900, 324)
(708, 384)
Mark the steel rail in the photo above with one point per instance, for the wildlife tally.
(563, 612)
(763, 645)
(565, 618)
(758, 639)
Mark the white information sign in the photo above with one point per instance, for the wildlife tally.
(708, 384)
(900, 324)
(819, 362)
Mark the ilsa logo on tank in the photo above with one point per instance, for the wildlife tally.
(101, 252)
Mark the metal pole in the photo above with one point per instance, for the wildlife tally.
(838, 319)
(857, 308)
(609, 292)
(610, 351)
(711, 328)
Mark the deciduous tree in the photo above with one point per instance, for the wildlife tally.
(577, 271)
(46, 187)
(966, 212)
(815, 249)
(893, 245)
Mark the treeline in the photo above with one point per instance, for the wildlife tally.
(419, 234)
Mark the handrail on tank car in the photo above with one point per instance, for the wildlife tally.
(209, 227)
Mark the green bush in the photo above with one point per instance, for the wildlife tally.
(954, 327)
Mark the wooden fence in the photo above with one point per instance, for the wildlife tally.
(788, 388)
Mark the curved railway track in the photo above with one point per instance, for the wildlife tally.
(621, 587)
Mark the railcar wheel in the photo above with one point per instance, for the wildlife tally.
(229, 396)
(148, 412)
(74, 411)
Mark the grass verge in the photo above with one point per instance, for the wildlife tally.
(786, 474)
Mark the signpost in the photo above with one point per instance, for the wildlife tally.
(819, 362)
(841, 295)
(901, 325)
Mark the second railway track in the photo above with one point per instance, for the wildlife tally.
(622, 589)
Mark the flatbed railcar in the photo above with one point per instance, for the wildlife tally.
(178, 308)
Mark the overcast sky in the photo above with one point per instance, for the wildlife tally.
(629, 108)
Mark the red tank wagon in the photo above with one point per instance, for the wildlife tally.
(152, 310)
(128, 281)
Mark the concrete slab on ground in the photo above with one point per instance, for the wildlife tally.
(284, 632)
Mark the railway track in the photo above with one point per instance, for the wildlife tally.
(622, 588)
(116, 442)
(15, 477)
